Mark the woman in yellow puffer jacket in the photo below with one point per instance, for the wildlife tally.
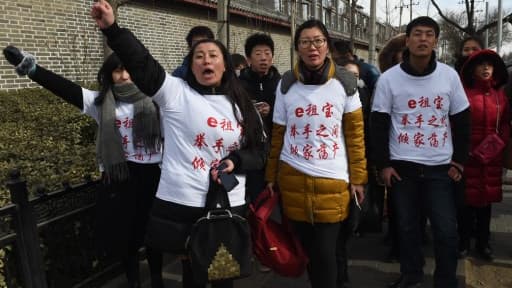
(317, 156)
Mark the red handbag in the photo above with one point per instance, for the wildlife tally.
(274, 244)
(492, 145)
(488, 149)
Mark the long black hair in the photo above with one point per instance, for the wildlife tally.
(104, 76)
(252, 127)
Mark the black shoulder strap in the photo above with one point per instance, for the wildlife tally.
(287, 81)
(347, 79)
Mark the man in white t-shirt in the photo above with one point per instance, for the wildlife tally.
(420, 154)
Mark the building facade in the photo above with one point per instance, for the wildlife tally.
(62, 36)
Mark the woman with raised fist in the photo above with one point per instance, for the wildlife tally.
(129, 151)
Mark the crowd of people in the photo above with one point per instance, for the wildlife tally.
(322, 135)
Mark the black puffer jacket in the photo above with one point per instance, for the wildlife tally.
(262, 89)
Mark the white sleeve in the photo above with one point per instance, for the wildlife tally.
(89, 107)
(169, 92)
(352, 103)
(458, 99)
(279, 107)
(382, 97)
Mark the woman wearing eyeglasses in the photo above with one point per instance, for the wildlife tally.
(317, 157)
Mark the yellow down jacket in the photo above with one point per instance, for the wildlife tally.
(316, 199)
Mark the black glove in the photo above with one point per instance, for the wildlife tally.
(13, 55)
(25, 63)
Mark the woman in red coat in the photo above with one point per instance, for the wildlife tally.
(483, 76)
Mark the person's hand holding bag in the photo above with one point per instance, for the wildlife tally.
(25, 63)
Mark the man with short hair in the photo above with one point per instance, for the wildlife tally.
(343, 51)
(260, 80)
(415, 106)
(195, 34)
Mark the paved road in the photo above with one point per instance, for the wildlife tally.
(367, 269)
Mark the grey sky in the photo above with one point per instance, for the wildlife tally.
(424, 6)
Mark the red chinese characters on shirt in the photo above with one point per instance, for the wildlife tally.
(294, 150)
(405, 120)
(307, 131)
(335, 131)
(233, 147)
(422, 120)
(125, 141)
(327, 109)
(219, 145)
(434, 142)
(433, 121)
(403, 138)
(226, 125)
(438, 102)
(125, 123)
(314, 132)
(214, 163)
(200, 140)
(199, 163)
(322, 131)
(322, 151)
(418, 139)
(423, 102)
(293, 131)
(307, 151)
(419, 120)
(311, 110)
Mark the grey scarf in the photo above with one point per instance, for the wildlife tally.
(146, 130)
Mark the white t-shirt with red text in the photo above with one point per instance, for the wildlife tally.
(314, 142)
(420, 107)
(200, 130)
(124, 122)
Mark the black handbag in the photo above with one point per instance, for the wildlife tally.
(219, 245)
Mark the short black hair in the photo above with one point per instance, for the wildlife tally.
(343, 47)
(311, 23)
(258, 39)
(199, 31)
(346, 62)
(422, 21)
(238, 59)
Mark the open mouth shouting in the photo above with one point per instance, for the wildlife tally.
(208, 64)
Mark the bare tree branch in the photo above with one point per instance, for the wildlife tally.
(507, 18)
(446, 18)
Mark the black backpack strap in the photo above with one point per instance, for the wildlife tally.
(347, 79)
(287, 81)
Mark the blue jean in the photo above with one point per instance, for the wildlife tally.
(427, 188)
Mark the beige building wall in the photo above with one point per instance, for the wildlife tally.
(62, 36)
(58, 32)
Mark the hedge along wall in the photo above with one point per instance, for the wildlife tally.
(64, 39)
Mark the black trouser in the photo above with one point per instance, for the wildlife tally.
(468, 217)
(254, 183)
(189, 215)
(319, 241)
(346, 229)
(392, 227)
(122, 211)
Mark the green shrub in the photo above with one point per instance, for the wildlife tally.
(47, 139)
